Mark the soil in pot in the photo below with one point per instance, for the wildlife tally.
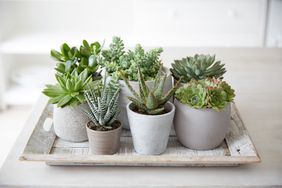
(103, 141)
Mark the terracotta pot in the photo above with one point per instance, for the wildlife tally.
(125, 92)
(104, 142)
(200, 129)
(150, 133)
(69, 123)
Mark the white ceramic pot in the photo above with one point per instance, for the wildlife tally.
(125, 92)
(69, 123)
(200, 129)
(150, 133)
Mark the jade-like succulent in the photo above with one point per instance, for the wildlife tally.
(198, 67)
(69, 91)
(103, 104)
(208, 93)
(150, 101)
(117, 59)
(71, 58)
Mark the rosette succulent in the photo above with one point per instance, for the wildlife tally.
(197, 67)
(116, 59)
(208, 93)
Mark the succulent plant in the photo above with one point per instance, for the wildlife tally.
(208, 93)
(69, 89)
(70, 58)
(117, 59)
(197, 67)
(150, 101)
(103, 104)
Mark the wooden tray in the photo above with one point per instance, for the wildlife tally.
(43, 145)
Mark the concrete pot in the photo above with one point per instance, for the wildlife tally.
(104, 142)
(69, 123)
(125, 92)
(150, 133)
(200, 129)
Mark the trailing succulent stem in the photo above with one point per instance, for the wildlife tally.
(103, 104)
(197, 68)
(150, 101)
(208, 93)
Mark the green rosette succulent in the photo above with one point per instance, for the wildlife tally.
(208, 93)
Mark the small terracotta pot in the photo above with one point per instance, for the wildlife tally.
(104, 142)
(200, 129)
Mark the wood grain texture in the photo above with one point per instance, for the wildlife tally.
(237, 148)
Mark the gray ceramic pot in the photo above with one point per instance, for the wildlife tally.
(125, 92)
(150, 133)
(104, 142)
(200, 129)
(69, 123)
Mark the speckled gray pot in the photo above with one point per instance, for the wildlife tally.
(69, 123)
(150, 133)
(104, 142)
(125, 92)
(200, 129)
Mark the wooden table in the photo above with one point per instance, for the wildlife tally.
(257, 79)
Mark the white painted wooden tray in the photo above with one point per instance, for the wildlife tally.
(43, 145)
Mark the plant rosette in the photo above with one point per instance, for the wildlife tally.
(150, 115)
(203, 113)
(125, 92)
(104, 129)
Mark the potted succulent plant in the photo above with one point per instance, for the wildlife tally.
(104, 129)
(150, 115)
(197, 67)
(202, 113)
(116, 60)
(75, 70)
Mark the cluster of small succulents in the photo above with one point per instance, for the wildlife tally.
(208, 93)
(117, 59)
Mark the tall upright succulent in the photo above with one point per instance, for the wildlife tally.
(197, 67)
(150, 101)
(71, 58)
(103, 104)
(117, 59)
(208, 93)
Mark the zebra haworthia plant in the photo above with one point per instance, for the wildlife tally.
(197, 67)
(150, 101)
(103, 105)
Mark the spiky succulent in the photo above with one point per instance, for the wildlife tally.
(117, 59)
(103, 104)
(208, 93)
(71, 58)
(69, 89)
(197, 67)
(150, 101)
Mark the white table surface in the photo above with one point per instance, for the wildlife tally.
(258, 84)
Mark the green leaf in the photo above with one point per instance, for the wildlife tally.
(64, 101)
(58, 56)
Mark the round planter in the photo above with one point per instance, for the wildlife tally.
(69, 123)
(125, 92)
(150, 133)
(200, 129)
(104, 142)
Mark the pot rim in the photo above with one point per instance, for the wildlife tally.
(203, 109)
(153, 116)
(104, 132)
